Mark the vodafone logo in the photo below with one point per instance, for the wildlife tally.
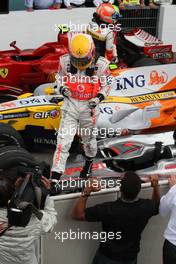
(80, 88)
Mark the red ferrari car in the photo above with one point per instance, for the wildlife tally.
(8, 93)
(29, 68)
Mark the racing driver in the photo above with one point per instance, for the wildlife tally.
(82, 93)
(103, 28)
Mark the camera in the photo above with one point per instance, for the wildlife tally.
(29, 196)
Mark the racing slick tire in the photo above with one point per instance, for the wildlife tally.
(9, 136)
(144, 61)
(11, 157)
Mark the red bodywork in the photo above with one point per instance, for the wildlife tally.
(8, 93)
(29, 68)
(162, 53)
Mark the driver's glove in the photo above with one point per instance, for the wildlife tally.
(93, 102)
(64, 90)
(115, 60)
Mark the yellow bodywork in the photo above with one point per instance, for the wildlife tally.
(47, 116)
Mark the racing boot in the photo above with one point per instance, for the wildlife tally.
(87, 169)
(55, 183)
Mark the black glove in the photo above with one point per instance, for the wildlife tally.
(96, 100)
(115, 60)
(64, 90)
(93, 102)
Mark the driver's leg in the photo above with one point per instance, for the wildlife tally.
(65, 137)
(88, 133)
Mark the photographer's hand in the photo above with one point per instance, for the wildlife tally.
(46, 182)
(18, 182)
(156, 190)
(93, 185)
(78, 211)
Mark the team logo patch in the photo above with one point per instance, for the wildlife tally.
(54, 114)
(157, 78)
(4, 72)
(81, 88)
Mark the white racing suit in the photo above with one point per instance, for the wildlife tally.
(76, 112)
(104, 39)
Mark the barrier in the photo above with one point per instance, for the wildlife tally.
(82, 251)
(15, 5)
(166, 30)
(33, 29)
(145, 18)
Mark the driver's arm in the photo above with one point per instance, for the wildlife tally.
(59, 78)
(111, 50)
(79, 209)
(105, 77)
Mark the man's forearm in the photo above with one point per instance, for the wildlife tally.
(156, 194)
(78, 212)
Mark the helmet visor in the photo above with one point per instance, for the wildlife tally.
(80, 62)
(116, 16)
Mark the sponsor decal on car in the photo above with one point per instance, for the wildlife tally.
(108, 110)
(130, 82)
(7, 105)
(141, 98)
(4, 72)
(49, 114)
(14, 115)
(159, 56)
(153, 97)
(47, 141)
(33, 101)
(136, 81)
(157, 78)
(27, 102)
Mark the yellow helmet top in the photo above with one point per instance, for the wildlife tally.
(82, 50)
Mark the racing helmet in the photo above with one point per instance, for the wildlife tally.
(82, 51)
(108, 13)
